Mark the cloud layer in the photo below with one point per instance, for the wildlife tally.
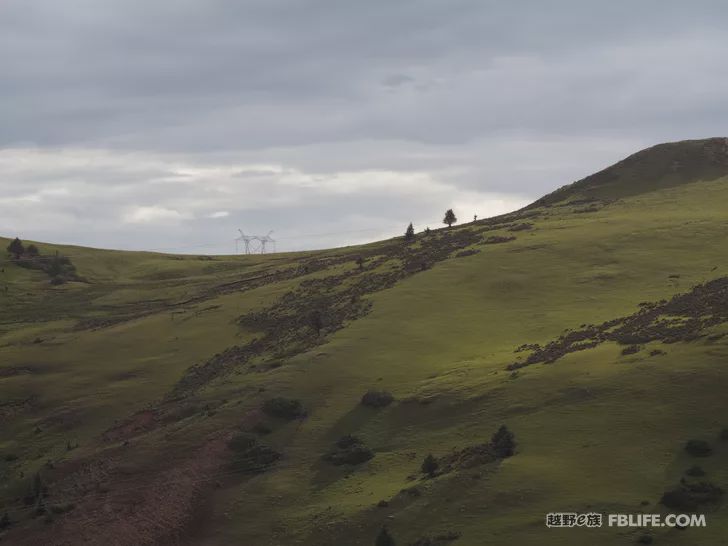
(171, 124)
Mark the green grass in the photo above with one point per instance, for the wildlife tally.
(596, 431)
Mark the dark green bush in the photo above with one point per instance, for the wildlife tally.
(347, 441)
(261, 428)
(430, 465)
(348, 450)
(384, 538)
(503, 442)
(377, 399)
(284, 408)
(698, 448)
(241, 442)
(689, 497)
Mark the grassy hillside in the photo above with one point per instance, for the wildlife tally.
(141, 394)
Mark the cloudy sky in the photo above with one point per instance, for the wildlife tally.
(168, 124)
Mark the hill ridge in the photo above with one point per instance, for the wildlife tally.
(660, 166)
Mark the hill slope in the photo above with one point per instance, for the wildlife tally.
(142, 396)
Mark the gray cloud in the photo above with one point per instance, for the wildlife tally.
(124, 121)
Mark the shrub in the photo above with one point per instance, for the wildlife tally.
(241, 442)
(59, 268)
(347, 441)
(503, 442)
(316, 321)
(466, 253)
(384, 538)
(284, 408)
(251, 456)
(5, 521)
(348, 450)
(698, 448)
(690, 496)
(630, 350)
(497, 239)
(377, 399)
(695, 471)
(430, 465)
(261, 428)
(258, 458)
(724, 434)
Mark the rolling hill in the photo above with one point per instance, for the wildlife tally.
(214, 400)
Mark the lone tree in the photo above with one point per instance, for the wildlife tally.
(430, 465)
(410, 233)
(503, 442)
(384, 538)
(449, 218)
(360, 262)
(16, 248)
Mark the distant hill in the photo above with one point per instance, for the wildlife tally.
(661, 166)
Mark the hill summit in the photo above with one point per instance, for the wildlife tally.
(661, 166)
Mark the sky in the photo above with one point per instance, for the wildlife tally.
(170, 124)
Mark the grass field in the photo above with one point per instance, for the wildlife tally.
(151, 363)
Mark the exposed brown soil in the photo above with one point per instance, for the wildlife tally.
(113, 508)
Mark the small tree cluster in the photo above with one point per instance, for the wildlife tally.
(58, 268)
(16, 248)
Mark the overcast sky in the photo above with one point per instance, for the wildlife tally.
(168, 124)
